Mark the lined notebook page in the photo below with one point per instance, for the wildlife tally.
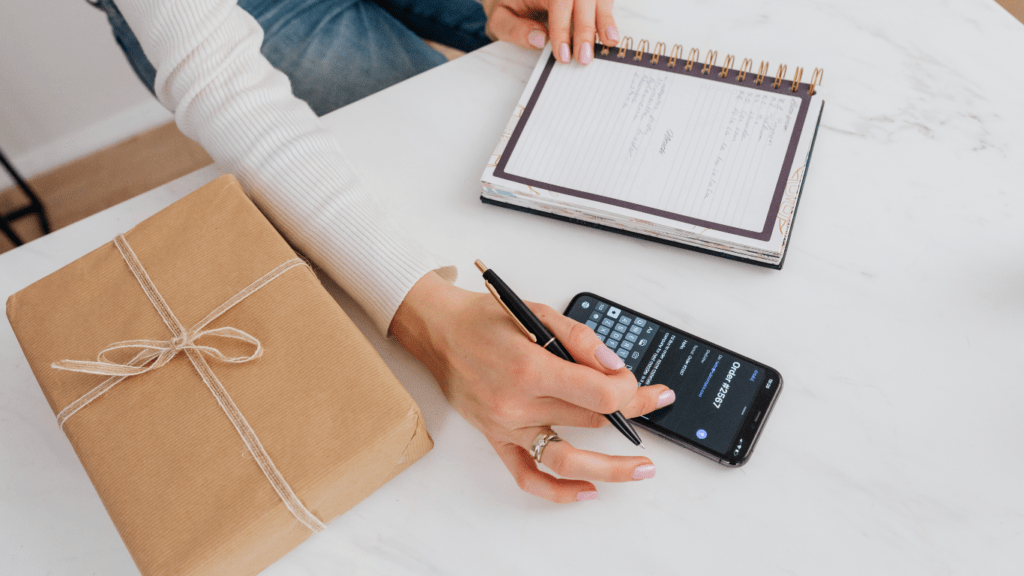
(711, 151)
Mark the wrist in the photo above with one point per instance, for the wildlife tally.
(421, 322)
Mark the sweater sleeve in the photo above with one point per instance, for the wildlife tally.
(227, 97)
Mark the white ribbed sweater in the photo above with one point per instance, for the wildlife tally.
(227, 97)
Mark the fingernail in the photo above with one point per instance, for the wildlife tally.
(609, 359)
(586, 53)
(537, 39)
(613, 33)
(588, 495)
(665, 398)
(563, 53)
(644, 472)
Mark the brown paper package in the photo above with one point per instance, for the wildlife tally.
(182, 489)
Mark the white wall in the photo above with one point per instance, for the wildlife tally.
(66, 89)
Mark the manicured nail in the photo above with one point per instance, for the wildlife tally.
(563, 53)
(609, 359)
(588, 495)
(665, 398)
(613, 33)
(537, 39)
(586, 53)
(644, 472)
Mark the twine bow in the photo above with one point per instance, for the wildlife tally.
(154, 354)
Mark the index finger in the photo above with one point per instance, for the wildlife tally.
(584, 30)
(581, 342)
(559, 19)
(585, 387)
(606, 28)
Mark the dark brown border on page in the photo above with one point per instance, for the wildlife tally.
(803, 92)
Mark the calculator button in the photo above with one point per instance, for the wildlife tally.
(621, 327)
(605, 330)
(642, 342)
(634, 329)
(635, 355)
(601, 307)
(629, 367)
(607, 322)
(614, 312)
(591, 324)
(623, 352)
(650, 330)
(626, 345)
(596, 316)
(616, 336)
(626, 319)
(640, 322)
(601, 338)
(632, 338)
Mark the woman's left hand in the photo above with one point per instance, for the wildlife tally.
(570, 24)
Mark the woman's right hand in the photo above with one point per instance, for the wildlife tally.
(513, 390)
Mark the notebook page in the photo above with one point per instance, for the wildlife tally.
(707, 152)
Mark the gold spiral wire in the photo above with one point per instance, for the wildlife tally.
(677, 53)
(729, 62)
(816, 77)
(709, 61)
(761, 71)
(745, 67)
(658, 52)
(693, 57)
(640, 49)
(797, 75)
(779, 77)
(627, 44)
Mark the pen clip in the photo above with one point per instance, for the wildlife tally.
(509, 312)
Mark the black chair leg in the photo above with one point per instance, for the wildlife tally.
(8, 232)
(34, 207)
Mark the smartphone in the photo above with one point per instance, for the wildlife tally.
(722, 398)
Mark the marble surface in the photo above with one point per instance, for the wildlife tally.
(897, 324)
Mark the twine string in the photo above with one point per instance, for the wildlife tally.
(154, 354)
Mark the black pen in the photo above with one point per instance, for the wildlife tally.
(538, 333)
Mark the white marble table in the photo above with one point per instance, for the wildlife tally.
(898, 323)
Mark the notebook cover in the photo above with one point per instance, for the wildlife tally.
(637, 59)
(727, 255)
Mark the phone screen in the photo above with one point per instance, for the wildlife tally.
(716, 390)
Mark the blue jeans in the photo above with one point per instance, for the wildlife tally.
(338, 51)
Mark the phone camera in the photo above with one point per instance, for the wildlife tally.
(702, 434)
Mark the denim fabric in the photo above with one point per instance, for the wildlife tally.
(338, 51)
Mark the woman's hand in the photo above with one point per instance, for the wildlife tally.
(571, 25)
(512, 390)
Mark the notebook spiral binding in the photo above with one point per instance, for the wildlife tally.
(693, 57)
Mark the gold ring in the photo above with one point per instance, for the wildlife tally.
(540, 442)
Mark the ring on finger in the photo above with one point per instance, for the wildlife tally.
(541, 442)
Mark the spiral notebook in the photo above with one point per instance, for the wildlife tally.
(676, 150)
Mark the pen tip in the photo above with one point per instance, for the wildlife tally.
(480, 266)
(642, 446)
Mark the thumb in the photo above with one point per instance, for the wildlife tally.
(504, 24)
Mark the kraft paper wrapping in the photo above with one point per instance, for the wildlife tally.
(182, 489)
